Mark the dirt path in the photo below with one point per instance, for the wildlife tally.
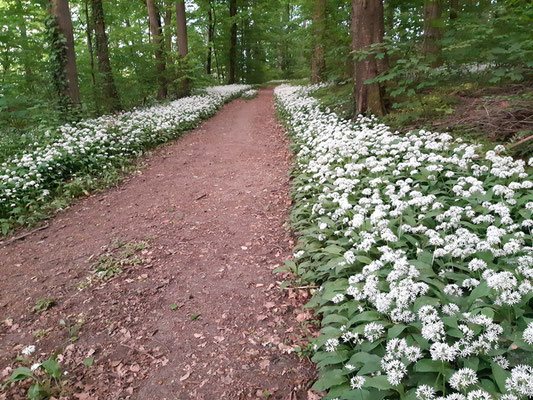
(196, 312)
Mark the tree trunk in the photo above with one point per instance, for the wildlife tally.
(367, 28)
(210, 32)
(157, 36)
(318, 61)
(66, 76)
(233, 42)
(88, 31)
(183, 48)
(112, 101)
(26, 52)
(454, 9)
(168, 27)
(432, 26)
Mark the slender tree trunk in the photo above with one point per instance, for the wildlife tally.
(215, 57)
(210, 29)
(168, 27)
(183, 48)
(367, 29)
(454, 9)
(169, 57)
(88, 31)
(233, 42)
(318, 60)
(432, 26)
(67, 75)
(25, 47)
(104, 63)
(157, 36)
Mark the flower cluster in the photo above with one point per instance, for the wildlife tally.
(92, 146)
(249, 94)
(422, 248)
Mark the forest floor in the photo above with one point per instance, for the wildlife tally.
(193, 310)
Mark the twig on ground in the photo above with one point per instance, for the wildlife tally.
(6, 242)
(524, 140)
(300, 287)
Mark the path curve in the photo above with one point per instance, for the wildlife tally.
(213, 207)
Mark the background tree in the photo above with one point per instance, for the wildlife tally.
(367, 30)
(183, 48)
(433, 26)
(110, 98)
(63, 53)
(210, 38)
(318, 61)
(157, 37)
(232, 78)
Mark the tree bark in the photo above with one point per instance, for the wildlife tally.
(67, 77)
(367, 28)
(168, 27)
(112, 101)
(318, 60)
(157, 36)
(26, 53)
(183, 48)
(432, 26)
(233, 42)
(88, 31)
(454, 9)
(210, 32)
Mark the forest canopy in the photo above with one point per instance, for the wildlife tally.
(63, 60)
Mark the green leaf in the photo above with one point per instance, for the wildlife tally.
(363, 259)
(195, 316)
(174, 307)
(34, 392)
(329, 379)
(379, 382)
(427, 365)
(88, 362)
(500, 375)
(53, 368)
(20, 374)
(395, 331)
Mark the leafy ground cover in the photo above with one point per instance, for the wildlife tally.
(466, 108)
(91, 148)
(422, 249)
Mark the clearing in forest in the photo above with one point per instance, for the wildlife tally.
(162, 287)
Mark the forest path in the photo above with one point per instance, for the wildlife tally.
(202, 317)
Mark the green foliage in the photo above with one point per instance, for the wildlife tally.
(46, 378)
(44, 304)
(111, 264)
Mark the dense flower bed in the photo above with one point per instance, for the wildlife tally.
(422, 248)
(91, 146)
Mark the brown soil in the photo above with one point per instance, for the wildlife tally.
(198, 314)
(503, 114)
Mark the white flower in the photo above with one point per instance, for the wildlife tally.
(528, 334)
(520, 381)
(331, 345)
(35, 366)
(425, 392)
(357, 382)
(479, 395)
(338, 298)
(373, 331)
(501, 361)
(442, 352)
(463, 378)
(29, 350)
(477, 265)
